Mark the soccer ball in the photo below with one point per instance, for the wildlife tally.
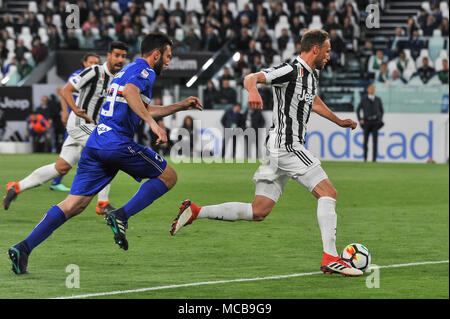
(358, 255)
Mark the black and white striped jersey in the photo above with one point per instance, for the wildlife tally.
(92, 85)
(294, 90)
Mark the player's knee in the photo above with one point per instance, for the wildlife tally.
(169, 177)
(62, 167)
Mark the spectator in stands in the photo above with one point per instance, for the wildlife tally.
(243, 21)
(348, 31)
(172, 25)
(296, 27)
(9, 66)
(411, 27)
(188, 124)
(425, 72)
(104, 41)
(337, 49)
(178, 12)
(210, 41)
(159, 23)
(375, 61)
(228, 95)
(19, 24)
(243, 40)
(161, 10)
(263, 37)
(126, 23)
(105, 24)
(351, 13)
(331, 23)
(422, 18)
(240, 65)
(404, 63)
(430, 26)
(191, 40)
(396, 79)
(269, 53)
(128, 37)
(226, 74)
(4, 35)
(247, 12)
(3, 51)
(71, 40)
(24, 68)
(54, 40)
(88, 39)
(2, 124)
(261, 12)
(210, 96)
(283, 40)
(254, 119)
(398, 43)
(6, 21)
(443, 74)
(233, 118)
(415, 44)
(277, 12)
(33, 23)
(91, 23)
(256, 64)
(382, 75)
(39, 50)
(315, 9)
(190, 23)
(37, 127)
(252, 51)
(444, 27)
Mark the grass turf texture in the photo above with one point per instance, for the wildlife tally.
(399, 211)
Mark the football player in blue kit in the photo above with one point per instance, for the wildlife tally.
(111, 148)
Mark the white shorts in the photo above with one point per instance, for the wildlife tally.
(73, 146)
(281, 164)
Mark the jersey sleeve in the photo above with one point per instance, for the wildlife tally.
(143, 80)
(81, 80)
(280, 74)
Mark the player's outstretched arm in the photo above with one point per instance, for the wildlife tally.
(132, 94)
(64, 110)
(157, 111)
(250, 84)
(320, 108)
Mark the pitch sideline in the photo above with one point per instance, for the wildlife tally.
(119, 292)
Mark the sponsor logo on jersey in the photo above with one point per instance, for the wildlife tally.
(144, 73)
(102, 128)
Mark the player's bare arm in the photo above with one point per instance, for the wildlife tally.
(64, 110)
(250, 84)
(158, 111)
(67, 96)
(132, 94)
(320, 108)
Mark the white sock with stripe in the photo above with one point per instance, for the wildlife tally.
(327, 218)
(39, 176)
(227, 211)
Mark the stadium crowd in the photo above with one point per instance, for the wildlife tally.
(265, 33)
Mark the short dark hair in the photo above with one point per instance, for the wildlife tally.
(312, 38)
(89, 54)
(117, 45)
(155, 41)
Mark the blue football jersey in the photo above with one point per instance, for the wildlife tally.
(118, 122)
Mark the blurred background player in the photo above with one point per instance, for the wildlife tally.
(111, 148)
(295, 85)
(88, 60)
(92, 84)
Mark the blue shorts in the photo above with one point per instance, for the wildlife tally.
(97, 167)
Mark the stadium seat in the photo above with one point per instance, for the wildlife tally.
(435, 45)
(289, 51)
(392, 66)
(40, 18)
(443, 6)
(316, 23)
(437, 33)
(179, 34)
(116, 7)
(25, 31)
(194, 5)
(438, 63)
(426, 5)
(241, 4)
(10, 45)
(42, 32)
(11, 32)
(233, 9)
(174, 2)
(32, 6)
(110, 19)
(56, 20)
(149, 8)
(276, 60)
(112, 33)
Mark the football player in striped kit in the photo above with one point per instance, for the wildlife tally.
(92, 85)
(295, 96)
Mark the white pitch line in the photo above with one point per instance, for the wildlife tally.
(119, 292)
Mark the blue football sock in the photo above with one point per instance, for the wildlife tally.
(57, 180)
(51, 221)
(147, 194)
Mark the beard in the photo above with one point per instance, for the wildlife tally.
(158, 66)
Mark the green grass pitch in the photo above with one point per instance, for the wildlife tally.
(399, 211)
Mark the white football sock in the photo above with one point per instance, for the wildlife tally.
(103, 195)
(39, 177)
(227, 211)
(327, 218)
